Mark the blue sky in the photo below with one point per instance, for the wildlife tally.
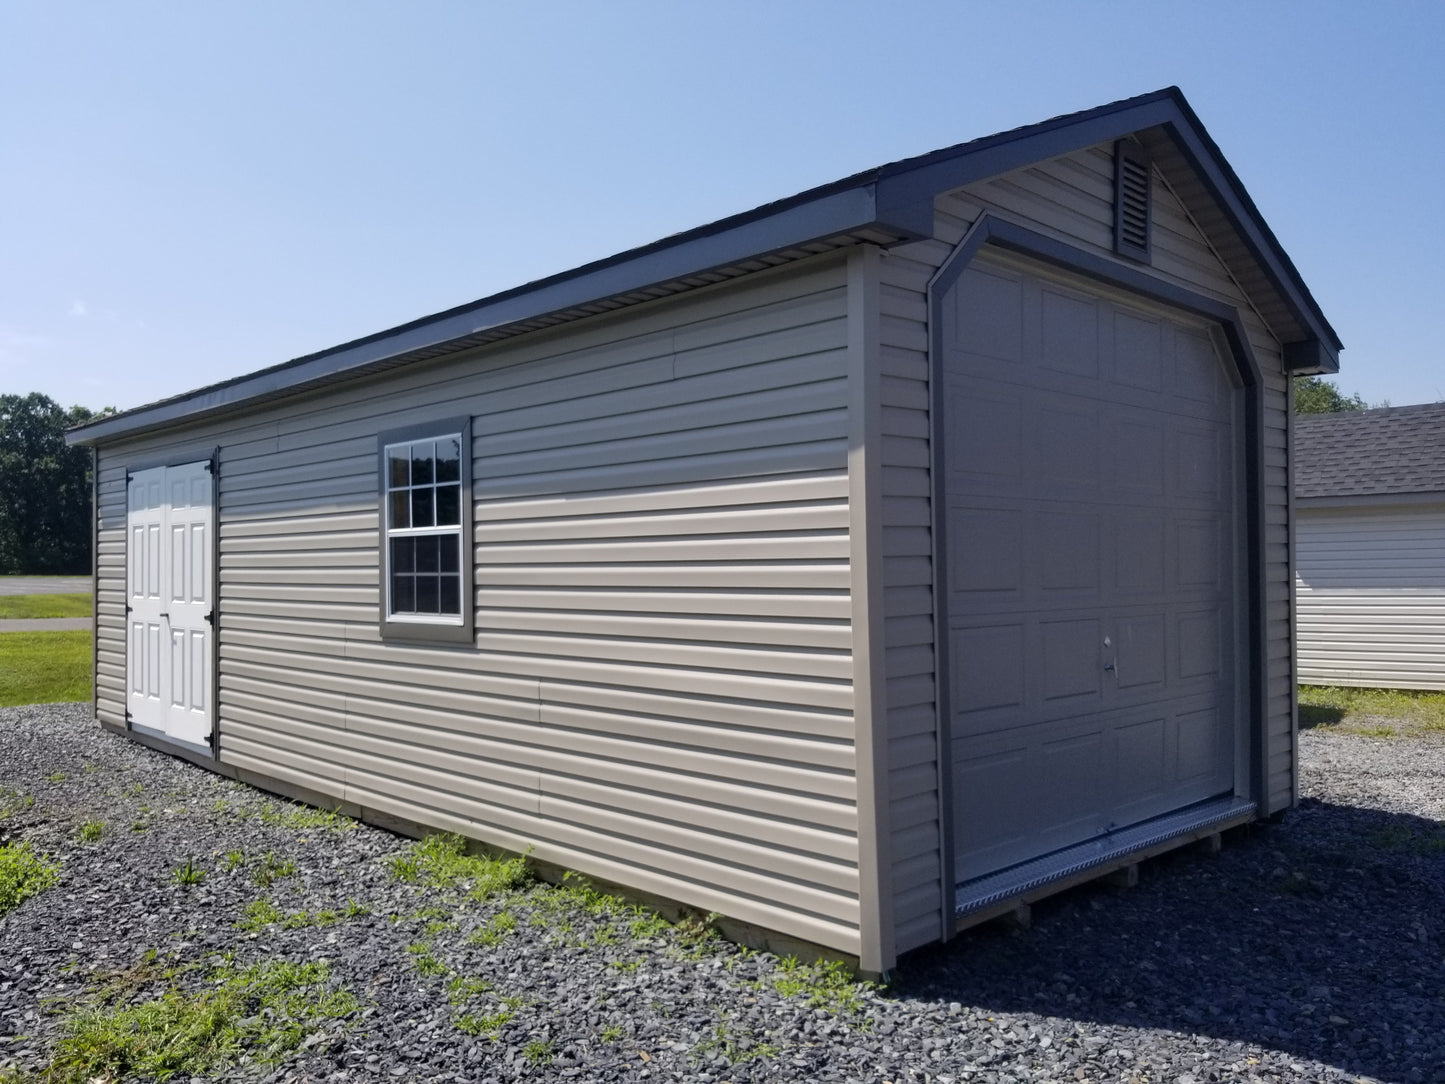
(189, 192)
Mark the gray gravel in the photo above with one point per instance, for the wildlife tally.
(1305, 951)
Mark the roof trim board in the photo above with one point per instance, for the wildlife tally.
(888, 205)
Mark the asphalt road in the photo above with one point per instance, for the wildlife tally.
(44, 585)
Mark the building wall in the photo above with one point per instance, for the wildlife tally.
(1370, 590)
(660, 691)
(1070, 198)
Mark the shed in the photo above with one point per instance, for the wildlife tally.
(845, 567)
(1370, 549)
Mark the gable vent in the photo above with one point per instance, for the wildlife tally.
(1131, 201)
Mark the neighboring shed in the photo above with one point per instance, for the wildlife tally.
(1370, 551)
(846, 567)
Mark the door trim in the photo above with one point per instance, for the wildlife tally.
(991, 229)
(209, 752)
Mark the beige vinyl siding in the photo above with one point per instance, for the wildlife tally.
(110, 628)
(1070, 198)
(660, 691)
(1371, 596)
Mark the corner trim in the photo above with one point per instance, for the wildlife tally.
(877, 942)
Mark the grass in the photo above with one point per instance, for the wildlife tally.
(262, 1012)
(23, 874)
(304, 817)
(1371, 713)
(31, 607)
(441, 861)
(91, 831)
(44, 667)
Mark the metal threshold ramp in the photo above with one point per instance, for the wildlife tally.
(1016, 881)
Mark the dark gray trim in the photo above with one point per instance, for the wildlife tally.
(1372, 500)
(152, 739)
(1309, 358)
(416, 631)
(95, 580)
(991, 230)
(894, 200)
(215, 616)
(176, 457)
(1292, 522)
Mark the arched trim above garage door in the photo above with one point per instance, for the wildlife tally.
(1002, 234)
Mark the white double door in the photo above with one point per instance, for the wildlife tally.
(170, 518)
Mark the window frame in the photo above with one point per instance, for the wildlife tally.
(444, 628)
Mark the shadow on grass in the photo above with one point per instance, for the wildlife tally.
(1320, 939)
(1313, 715)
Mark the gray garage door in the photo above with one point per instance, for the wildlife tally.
(1092, 485)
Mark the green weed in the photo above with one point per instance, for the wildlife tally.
(23, 874)
(827, 984)
(424, 961)
(91, 831)
(461, 989)
(495, 931)
(234, 860)
(538, 1052)
(188, 873)
(737, 1049)
(441, 861)
(262, 1012)
(1403, 838)
(612, 1033)
(13, 801)
(305, 817)
(271, 869)
(490, 1024)
(260, 913)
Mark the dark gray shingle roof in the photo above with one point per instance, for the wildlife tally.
(1370, 452)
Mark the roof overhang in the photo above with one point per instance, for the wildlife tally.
(886, 206)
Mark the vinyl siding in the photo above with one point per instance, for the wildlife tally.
(1371, 596)
(1070, 198)
(660, 691)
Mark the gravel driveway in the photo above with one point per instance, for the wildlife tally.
(1307, 951)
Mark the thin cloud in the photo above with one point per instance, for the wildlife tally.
(79, 309)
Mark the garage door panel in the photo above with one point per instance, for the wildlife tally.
(1066, 551)
(1138, 351)
(1091, 488)
(987, 315)
(1070, 661)
(1198, 374)
(989, 662)
(986, 441)
(1070, 334)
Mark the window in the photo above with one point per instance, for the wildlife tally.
(426, 531)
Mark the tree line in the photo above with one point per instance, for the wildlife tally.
(45, 526)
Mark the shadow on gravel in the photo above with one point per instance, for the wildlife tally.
(1321, 938)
